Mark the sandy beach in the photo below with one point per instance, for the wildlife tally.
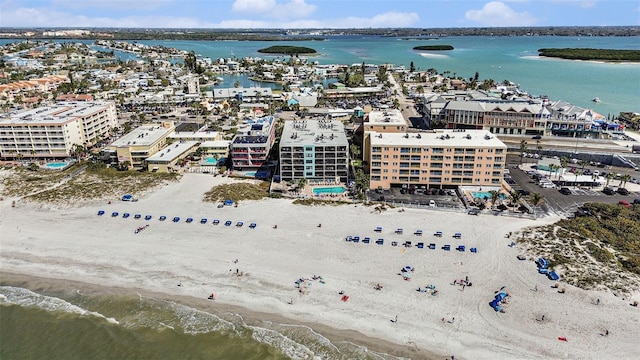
(257, 269)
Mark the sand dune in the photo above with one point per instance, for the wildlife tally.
(77, 245)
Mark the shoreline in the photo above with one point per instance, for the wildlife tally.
(48, 286)
(75, 245)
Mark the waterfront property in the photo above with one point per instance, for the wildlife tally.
(166, 159)
(316, 150)
(139, 144)
(53, 131)
(387, 121)
(444, 158)
(251, 144)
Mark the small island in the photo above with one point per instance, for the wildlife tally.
(612, 55)
(433, 47)
(287, 50)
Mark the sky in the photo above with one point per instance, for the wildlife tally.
(292, 14)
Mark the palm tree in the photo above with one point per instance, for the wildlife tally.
(552, 169)
(578, 172)
(523, 149)
(609, 177)
(594, 178)
(536, 199)
(624, 179)
(494, 196)
(564, 162)
(515, 197)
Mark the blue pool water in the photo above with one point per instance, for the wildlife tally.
(250, 173)
(56, 165)
(543, 168)
(485, 194)
(329, 190)
(211, 161)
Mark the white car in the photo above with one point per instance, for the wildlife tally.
(596, 172)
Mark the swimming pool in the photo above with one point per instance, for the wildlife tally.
(543, 168)
(329, 190)
(56, 165)
(485, 194)
(211, 161)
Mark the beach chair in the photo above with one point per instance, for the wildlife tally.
(420, 245)
(366, 240)
(437, 234)
(176, 219)
(137, 216)
(215, 222)
(349, 238)
(399, 231)
(252, 226)
(394, 243)
(100, 212)
(380, 241)
(457, 235)
(228, 223)
(473, 250)
(356, 239)
(189, 220)
(418, 233)
(446, 247)
(125, 215)
(147, 217)
(432, 246)
(114, 214)
(378, 229)
(407, 244)
(203, 221)
(460, 248)
(239, 224)
(162, 218)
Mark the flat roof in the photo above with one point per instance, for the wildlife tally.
(440, 138)
(202, 134)
(59, 113)
(215, 143)
(171, 152)
(142, 136)
(254, 131)
(386, 117)
(313, 132)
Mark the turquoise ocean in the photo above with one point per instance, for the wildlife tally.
(71, 325)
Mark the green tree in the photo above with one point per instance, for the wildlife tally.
(624, 179)
(610, 176)
(536, 199)
(515, 197)
(523, 149)
(494, 196)
(412, 67)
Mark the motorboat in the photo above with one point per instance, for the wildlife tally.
(596, 99)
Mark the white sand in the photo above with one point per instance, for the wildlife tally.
(76, 244)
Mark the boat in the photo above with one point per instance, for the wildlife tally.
(220, 79)
(596, 99)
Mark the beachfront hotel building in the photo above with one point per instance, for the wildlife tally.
(252, 143)
(316, 150)
(436, 159)
(53, 131)
(137, 145)
(166, 159)
(387, 121)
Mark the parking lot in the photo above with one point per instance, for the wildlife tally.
(417, 197)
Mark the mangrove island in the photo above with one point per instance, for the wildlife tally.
(287, 50)
(592, 54)
(433, 47)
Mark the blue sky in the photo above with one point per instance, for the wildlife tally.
(317, 13)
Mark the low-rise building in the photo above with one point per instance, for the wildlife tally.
(53, 131)
(314, 150)
(166, 159)
(139, 144)
(443, 158)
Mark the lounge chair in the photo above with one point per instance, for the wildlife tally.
(162, 218)
(394, 243)
(252, 225)
(228, 223)
(420, 245)
(457, 235)
(125, 215)
(473, 250)
(356, 239)
(446, 247)
(380, 241)
(147, 217)
(215, 222)
(100, 212)
(239, 224)
(348, 238)
(399, 231)
(114, 214)
(460, 248)
(437, 234)
(418, 233)
(137, 216)
(176, 219)
(378, 229)
(407, 244)
(203, 221)
(432, 246)
(366, 240)
(189, 220)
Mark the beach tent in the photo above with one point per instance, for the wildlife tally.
(228, 202)
(552, 275)
(501, 295)
(127, 197)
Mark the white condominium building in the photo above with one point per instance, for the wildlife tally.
(52, 131)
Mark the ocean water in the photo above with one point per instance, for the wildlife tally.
(498, 58)
(78, 326)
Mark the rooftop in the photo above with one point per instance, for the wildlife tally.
(313, 132)
(144, 135)
(55, 114)
(171, 152)
(387, 117)
(254, 131)
(444, 138)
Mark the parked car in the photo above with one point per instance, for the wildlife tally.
(624, 203)
(536, 137)
(565, 191)
(473, 212)
(636, 201)
(608, 191)
(623, 191)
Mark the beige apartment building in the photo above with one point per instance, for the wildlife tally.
(139, 144)
(437, 159)
(53, 131)
(387, 121)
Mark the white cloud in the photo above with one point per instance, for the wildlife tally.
(496, 13)
(270, 9)
(110, 4)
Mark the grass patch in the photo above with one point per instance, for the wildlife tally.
(314, 202)
(238, 192)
